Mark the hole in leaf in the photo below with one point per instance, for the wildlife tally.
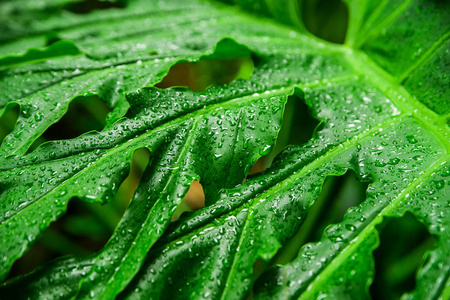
(297, 128)
(8, 121)
(339, 193)
(86, 227)
(260, 165)
(83, 115)
(199, 75)
(139, 162)
(326, 19)
(403, 243)
(86, 6)
(192, 201)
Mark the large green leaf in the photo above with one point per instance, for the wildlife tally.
(384, 113)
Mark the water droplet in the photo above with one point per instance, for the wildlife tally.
(394, 161)
(350, 227)
(411, 139)
(439, 184)
(266, 150)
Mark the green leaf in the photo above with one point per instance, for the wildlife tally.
(172, 124)
(383, 112)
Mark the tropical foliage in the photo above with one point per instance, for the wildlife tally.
(363, 129)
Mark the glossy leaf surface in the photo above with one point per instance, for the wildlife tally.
(383, 112)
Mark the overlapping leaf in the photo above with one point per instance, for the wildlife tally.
(384, 115)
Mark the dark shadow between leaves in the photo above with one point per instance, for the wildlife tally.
(326, 19)
(403, 243)
(86, 227)
(339, 193)
(192, 201)
(51, 38)
(83, 115)
(80, 232)
(199, 75)
(297, 128)
(8, 120)
(86, 6)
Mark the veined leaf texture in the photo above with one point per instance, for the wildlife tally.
(382, 99)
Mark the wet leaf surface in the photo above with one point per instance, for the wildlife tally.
(383, 113)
